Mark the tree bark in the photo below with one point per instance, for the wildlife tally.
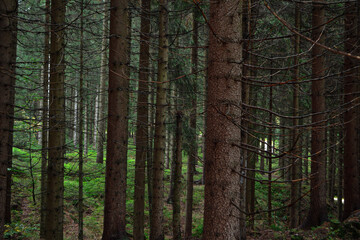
(142, 125)
(55, 180)
(193, 146)
(318, 209)
(117, 138)
(222, 154)
(351, 80)
(177, 179)
(156, 220)
(8, 24)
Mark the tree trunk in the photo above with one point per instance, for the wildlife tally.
(117, 138)
(45, 123)
(177, 179)
(55, 186)
(102, 95)
(81, 128)
(222, 168)
(142, 124)
(156, 220)
(318, 209)
(193, 142)
(351, 80)
(296, 159)
(8, 26)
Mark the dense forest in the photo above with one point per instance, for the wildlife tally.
(179, 119)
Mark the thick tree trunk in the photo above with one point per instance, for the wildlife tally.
(45, 123)
(351, 80)
(117, 138)
(177, 179)
(8, 13)
(142, 125)
(55, 186)
(102, 94)
(318, 209)
(156, 220)
(222, 166)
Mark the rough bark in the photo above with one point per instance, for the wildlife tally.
(318, 209)
(117, 138)
(55, 173)
(8, 13)
(177, 179)
(156, 220)
(142, 128)
(351, 80)
(222, 154)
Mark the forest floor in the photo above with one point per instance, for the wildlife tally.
(26, 207)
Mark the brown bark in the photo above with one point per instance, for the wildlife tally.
(296, 159)
(55, 180)
(193, 146)
(222, 154)
(318, 209)
(8, 13)
(45, 123)
(102, 93)
(117, 138)
(177, 179)
(351, 80)
(142, 128)
(156, 220)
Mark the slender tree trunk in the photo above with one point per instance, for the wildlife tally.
(351, 80)
(318, 209)
(55, 186)
(81, 127)
(156, 220)
(142, 124)
(270, 152)
(8, 24)
(222, 168)
(340, 177)
(296, 155)
(177, 179)
(332, 165)
(193, 147)
(102, 95)
(45, 124)
(117, 138)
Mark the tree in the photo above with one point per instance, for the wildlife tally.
(177, 178)
(102, 95)
(296, 160)
(55, 173)
(8, 31)
(222, 154)
(45, 122)
(117, 138)
(318, 209)
(194, 145)
(156, 219)
(351, 80)
(142, 122)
